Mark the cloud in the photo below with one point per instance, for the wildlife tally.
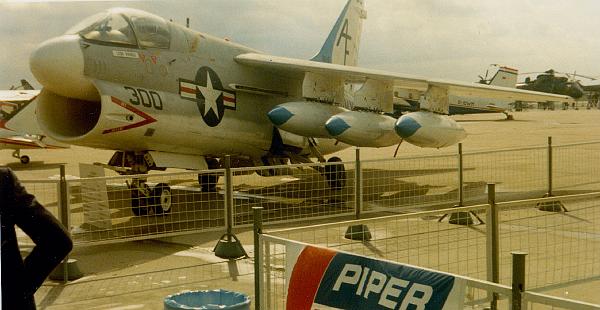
(439, 38)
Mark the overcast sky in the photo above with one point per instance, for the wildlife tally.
(451, 39)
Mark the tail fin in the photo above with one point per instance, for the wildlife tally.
(341, 46)
(505, 77)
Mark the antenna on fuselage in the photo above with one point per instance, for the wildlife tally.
(187, 22)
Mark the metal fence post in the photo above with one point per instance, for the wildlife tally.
(460, 176)
(518, 279)
(229, 246)
(357, 185)
(462, 217)
(68, 269)
(258, 226)
(555, 205)
(549, 193)
(358, 231)
(493, 242)
(64, 217)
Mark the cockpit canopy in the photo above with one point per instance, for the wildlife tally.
(123, 26)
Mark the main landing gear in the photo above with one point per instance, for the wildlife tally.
(24, 158)
(208, 181)
(334, 171)
(335, 174)
(145, 200)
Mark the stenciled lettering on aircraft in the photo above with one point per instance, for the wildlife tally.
(125, 54)
(146, 98)
(208, 93)
(344, 34)
(344, 281)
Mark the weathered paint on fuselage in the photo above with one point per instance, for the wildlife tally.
(128, 74)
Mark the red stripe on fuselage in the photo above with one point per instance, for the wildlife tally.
(187, 90)
(147, 118)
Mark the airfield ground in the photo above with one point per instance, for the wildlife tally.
(138, 275)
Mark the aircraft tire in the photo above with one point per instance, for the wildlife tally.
(335, 174)
(24, 159)
(139, 205)
(161, 199)
(208, 182)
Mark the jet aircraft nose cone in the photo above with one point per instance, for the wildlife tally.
(279, 115)
(336, 126)
(58, 65)
(406, 126)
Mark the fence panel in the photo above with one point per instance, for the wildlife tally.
(294, 193)
(517, 174)
(538, 301)
(405, 184)
(562, 247)
(106, 209)
(417, 239)
(275, 263)
(576, 168)
(45, 192)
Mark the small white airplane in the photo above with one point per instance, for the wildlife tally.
(408, 100)
(18, 127)
(163, 95)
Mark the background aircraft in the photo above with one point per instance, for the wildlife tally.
(165, 96)
(504, 77)
(18, 128)
(555, 82)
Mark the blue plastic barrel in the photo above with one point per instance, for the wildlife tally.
(215, 299)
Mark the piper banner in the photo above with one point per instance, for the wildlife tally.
(320, 278)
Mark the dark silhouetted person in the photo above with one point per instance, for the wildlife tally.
(21, 278)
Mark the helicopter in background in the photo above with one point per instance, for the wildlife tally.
(555, 82)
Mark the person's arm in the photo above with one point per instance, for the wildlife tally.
(52, 241)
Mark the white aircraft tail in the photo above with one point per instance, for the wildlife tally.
(341, 46)
(505, 77)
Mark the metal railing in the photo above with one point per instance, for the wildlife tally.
(100, 210)
(563, 246)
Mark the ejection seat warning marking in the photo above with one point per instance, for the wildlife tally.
(147, 119)
(125, 54)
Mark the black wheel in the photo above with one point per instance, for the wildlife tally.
(335, 174)
(208, 182)
(24, 159)
(160, 198)
(139, 203)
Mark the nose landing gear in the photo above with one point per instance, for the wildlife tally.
(23, 158)
(145, 200)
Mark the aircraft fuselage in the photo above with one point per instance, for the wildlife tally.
(180, 93)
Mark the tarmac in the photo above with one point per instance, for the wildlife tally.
(139, 274)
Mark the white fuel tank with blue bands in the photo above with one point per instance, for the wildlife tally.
(304, 118)
(363, 129)
(427, 129)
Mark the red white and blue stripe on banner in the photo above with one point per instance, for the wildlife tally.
(325, 279)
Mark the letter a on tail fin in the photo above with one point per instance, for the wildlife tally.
(505, 77)
(341, 46)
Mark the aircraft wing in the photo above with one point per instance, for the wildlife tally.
(297, 68)
(18, 95)
(13, 140)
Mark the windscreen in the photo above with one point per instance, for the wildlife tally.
(151, 31)
(111, 28)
